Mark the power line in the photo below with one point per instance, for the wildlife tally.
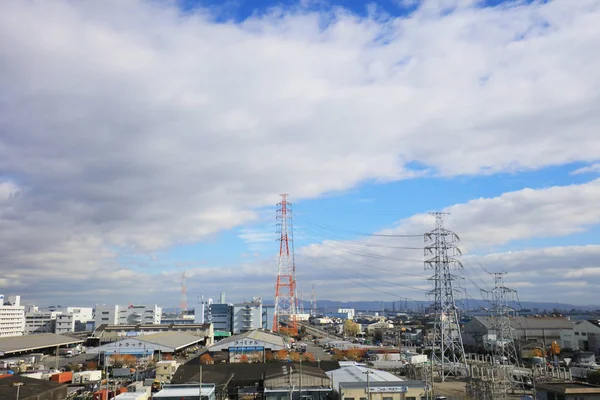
(358, 233)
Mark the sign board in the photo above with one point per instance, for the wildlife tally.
(247, 342)
(245, 349)
(388, 389)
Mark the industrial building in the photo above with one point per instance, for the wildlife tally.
(11, 346)
(354, 382)
(191, 391)
(40, 322)
(112, 333)
(479, 331)
(251, 344)
(12, 316)
(585, 336)
(235, 318)
(168, 343)
(127, 315)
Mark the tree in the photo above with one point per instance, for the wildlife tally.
(295, 356)
(269, 356)
(282, 355)
(354, 354)
(309, 357)
(338, 355)
(594, 378)
(206, 359)
(244, 359)
(91, 365)
(351, 328)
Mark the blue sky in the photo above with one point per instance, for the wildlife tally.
(165, 131)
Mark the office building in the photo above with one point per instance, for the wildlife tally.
(12, 316)
(127, 315)
(247, 316)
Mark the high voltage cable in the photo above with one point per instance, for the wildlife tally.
(357, 243)
(396, 284)
(358, 233)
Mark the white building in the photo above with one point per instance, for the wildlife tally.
(247, 316)
(585, 336)
(348, 311)
(127, 315)
(12, 317)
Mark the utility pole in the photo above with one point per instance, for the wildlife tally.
(447, 350)
(286, 300)
(368, 372)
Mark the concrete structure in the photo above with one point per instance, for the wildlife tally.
(349, 312)
(165, 370)
(350, 383)
(567, 391)
(40, 322)
(64, 324)
(247, 316)
(132, 314)
(201, 310)
(585, 336)
(111, 333)
(191, 391)
(12, 317)
(132, 396)
(544, 330)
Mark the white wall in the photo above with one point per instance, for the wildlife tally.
(12, 321)
(123, 315)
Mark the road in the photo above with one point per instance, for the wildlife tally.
(318, 352)
(50, 362)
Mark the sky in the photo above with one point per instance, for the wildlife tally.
(147, 138)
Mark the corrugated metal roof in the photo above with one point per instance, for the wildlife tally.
(175, 340)
(531, 322)
(15, 344)
(358, 373)
(259, 335)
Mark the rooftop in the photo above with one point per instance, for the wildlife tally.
(30, 389)
(172, 391)
(531, 322)
(358, 373)
(568, 388)
(18, 344)
(255, 335)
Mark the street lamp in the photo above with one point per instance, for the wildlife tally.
(368, 372)
(18, 385)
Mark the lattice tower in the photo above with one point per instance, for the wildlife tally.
(286, 300)
(448, 353)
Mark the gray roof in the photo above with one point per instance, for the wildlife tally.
(175, 340)
(357, 373)
(358, 385)
(16, 344)
(259, 335)
(531, 322)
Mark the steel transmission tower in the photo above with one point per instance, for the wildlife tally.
(448, 353)
(286, 301)
(505, 348)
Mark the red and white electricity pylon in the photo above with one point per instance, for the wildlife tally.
(286, 302)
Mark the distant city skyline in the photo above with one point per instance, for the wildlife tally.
(142, 139)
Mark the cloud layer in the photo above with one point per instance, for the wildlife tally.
(128, 127)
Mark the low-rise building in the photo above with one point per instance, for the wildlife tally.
(480, 332)
(254, 344)
(567, 391)
(64, 324)
(111, 333)
(191, 391)
(356, 382)
(12, 317)
(585, 336)
(165, 370)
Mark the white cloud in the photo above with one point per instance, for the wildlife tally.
(593, 168)
(127, 125)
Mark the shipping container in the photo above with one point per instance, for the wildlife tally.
(63, 377)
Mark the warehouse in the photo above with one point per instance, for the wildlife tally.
(354, 382)
(480, 330)
(111, 333)
(254, 344)
(16, 345)
(171, 343)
